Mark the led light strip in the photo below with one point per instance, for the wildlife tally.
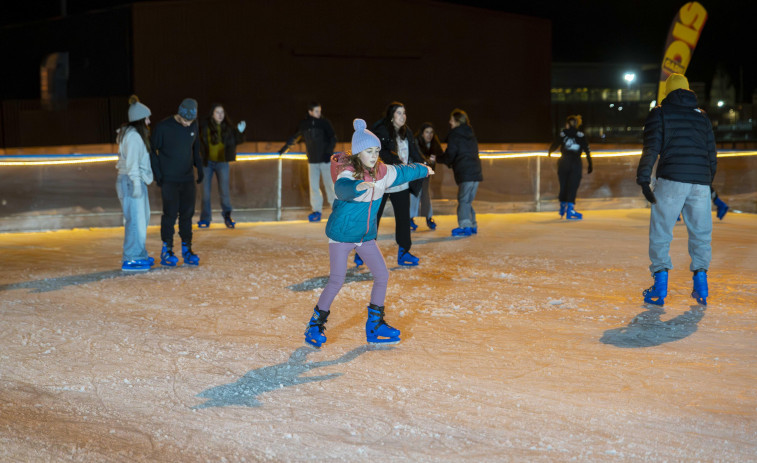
(487, 154)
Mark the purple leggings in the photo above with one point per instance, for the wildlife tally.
(371, 255)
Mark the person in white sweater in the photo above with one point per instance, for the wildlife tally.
(134, 174)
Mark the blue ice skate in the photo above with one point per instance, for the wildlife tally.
(413, 225)
(314, 332)
(462, 231)
(406, 259)
(376, 329)
(314, 217)
(658, 292)
(227, 220)
(571, 214)
(203, 224)
(190, 258)
(563, 206)
(135, 266)
(167, 257)
(358, 260)
(700, 291)
(430, 223)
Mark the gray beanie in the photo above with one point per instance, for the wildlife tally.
(188, 109)
(363, 139)
(137, 110)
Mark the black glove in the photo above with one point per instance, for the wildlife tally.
(648, 193)
(200, 176)
(591, 168)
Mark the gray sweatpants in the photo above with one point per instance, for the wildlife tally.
(316, 172)
(371, 255)
(693, 202)
(466, 216)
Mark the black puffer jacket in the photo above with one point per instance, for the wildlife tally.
(462, 155)
(681, 134)
(388, 153)
(319, 136)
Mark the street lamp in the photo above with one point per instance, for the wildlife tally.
(629, 77)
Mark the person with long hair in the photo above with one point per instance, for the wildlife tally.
(134, 174)
(360, 179)
(462, 156)
(219, 138)
(430, 148)
(398, 147)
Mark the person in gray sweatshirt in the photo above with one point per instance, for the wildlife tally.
(134, 174)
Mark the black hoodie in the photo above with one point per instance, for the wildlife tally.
(681, 134)
(462, 155)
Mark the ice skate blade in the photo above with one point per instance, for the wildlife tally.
(135, 270)
(700, 300)
(313, 344)
(384, 342)
(167, 264)
(659, 302)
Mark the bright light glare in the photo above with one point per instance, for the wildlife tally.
(721, 103)
(629, 77)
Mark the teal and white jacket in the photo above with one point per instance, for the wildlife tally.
(353, 216)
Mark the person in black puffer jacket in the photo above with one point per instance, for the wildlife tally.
(462, 156)
(572, 143)
(320, 141)
(398, 146)
(681, 135)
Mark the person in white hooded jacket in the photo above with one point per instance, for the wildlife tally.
(134, 174)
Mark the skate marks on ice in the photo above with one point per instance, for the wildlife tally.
(53, 284)
(353, 274)
(245, 391)
(648, 330)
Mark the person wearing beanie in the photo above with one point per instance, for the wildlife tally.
(360, 180)
(219, 138)
(572, 142)
(175, 153)
(680, 134)
(320, 141)
(134, 174)
(398, 147)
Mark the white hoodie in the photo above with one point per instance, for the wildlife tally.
(133, 157)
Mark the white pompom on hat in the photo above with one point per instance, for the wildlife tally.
(137, 110)
(363, 138)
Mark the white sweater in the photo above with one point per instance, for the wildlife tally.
(133, 157)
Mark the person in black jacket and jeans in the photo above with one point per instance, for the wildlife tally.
(320, 141)
(398, 146)
(572, 142)
(681, 135)
(219, 138)
(175, 152)
(462, 156)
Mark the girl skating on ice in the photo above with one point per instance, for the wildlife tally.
(360, 180)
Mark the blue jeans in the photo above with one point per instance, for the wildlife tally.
(221, 170)
(466, 216)
(693, 202)
(136, 218)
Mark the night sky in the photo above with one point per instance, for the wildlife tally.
(583, 30)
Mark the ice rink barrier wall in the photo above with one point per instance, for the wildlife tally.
(74, 187)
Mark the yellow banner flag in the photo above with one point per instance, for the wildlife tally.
(682, 39)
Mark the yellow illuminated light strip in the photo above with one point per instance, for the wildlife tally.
(51, 162)
(301, 157)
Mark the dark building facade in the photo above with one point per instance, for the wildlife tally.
(266, 60)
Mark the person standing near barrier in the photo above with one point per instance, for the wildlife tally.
(398, 147)
(134, 174)
(175, 153)
(680, 134)
(360, 180)
(320, 141)
(462, 156)
(429, 147)
(218, 146)
(572, 142)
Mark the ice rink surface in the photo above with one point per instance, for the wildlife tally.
(527, 342)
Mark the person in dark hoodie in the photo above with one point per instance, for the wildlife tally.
(398, 147)
(462, 156)
(219, 138)
(572, 143)
(320, 141)
(430, 148)
(680, 134)
(174, 154)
